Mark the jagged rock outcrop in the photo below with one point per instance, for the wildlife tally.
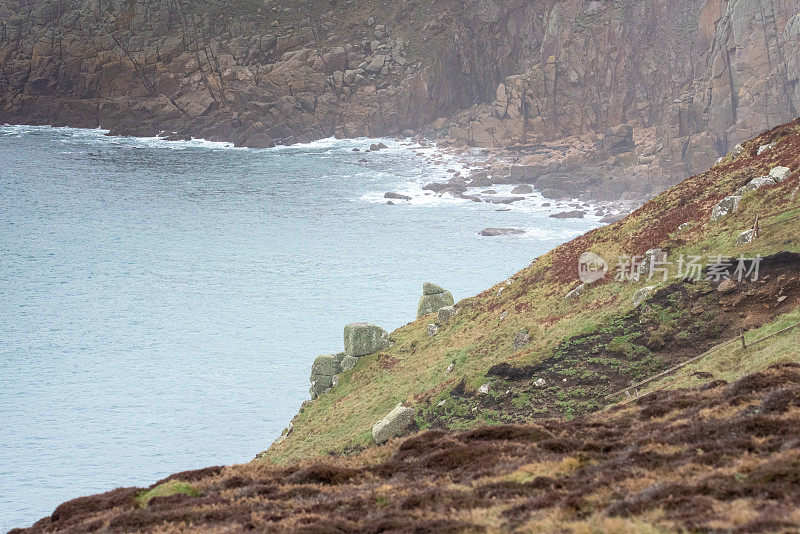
(641, 93)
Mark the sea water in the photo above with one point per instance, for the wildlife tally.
(161, 302)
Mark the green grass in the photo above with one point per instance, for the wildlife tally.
(167, 489)
(732, 362)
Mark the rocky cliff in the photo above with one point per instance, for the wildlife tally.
(649, 91)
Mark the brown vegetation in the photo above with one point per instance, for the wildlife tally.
(719, 457)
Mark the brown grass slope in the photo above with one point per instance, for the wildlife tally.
(713, 458)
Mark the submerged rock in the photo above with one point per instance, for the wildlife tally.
(522, 190)
(393, 425)
(362, 339)
(495, 232)
(574, 214)
(434, 298)
(396, 196)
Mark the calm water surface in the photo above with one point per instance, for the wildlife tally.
(161, 303)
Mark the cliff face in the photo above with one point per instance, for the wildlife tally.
(691, 79)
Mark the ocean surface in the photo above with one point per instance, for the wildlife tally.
(161, 302)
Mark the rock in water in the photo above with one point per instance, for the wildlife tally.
(574, 214)
(495, 232)
(434, 298)
(361, 339)
(396, 196)
(393, 424)
(522, 190)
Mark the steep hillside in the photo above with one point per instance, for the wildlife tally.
(646, 92)
(591, 344)
(518, 395)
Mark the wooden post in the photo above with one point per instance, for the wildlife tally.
(756, 229)
(744, 344)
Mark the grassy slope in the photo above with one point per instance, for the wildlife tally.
(413, 370)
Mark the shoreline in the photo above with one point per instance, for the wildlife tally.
(478, 169)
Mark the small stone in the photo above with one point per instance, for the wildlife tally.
(450, 368)
(764, 148)
(697, 309)
(727, 286)
(755, 184)
(442, 403)
(393, 425)
(725, 206)
(781, 299)
(575, 293)
(745, 238)
(683, 227)
(540, 383)
(642, 294)
(780, 174)
(484, 389)
(396, 196)
(521, 339)
(432, 330)
(447, 313)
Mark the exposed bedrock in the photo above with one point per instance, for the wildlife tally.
(656, 90)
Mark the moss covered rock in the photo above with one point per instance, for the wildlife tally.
(320, 384)
(361, 339)
(434, 298)
(327, 364)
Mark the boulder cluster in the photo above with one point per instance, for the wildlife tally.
(730, 204)
(360, 339)
(434, 298)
